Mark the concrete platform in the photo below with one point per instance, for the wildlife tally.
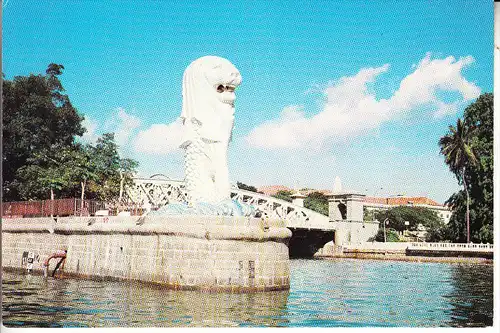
(208, 253)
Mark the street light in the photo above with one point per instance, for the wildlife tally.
(407, 223)
(386, 221)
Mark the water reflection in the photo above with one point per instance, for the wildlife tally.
(325, 293)
(472, 296)
(32, 301)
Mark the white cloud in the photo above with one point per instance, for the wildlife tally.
(90, 136)
(121, 123)
(159, 139)
(444, 109)
(350, 109)
(125, 124)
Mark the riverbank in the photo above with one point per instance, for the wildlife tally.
(411, 252)
(403, 257)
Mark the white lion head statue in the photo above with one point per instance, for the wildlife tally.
(208, 97)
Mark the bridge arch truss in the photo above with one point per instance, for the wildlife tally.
(160, 190)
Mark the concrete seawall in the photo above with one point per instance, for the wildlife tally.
(450, 252)
(209, 253)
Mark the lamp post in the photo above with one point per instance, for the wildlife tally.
(407, 223)
(386, 221)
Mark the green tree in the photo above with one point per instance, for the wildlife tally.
(368, 214)
(246, 187)
(415, 216)
(283, 195)
(37, 115)
(456, 148)
(480, 178)
(83, 169)
(476, 199)
(107, 163)
(390, 235)
(438, 233)
(40, 155)
(318, 202)
(46, 173)
(126, 170)
(112, 172)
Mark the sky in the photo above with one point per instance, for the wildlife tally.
(362, 90)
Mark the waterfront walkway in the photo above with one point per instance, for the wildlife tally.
(409, 249)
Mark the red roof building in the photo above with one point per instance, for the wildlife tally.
(376, 203)
(372, 203)
(273, 189)
(401, 201)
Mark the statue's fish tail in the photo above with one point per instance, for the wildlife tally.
(194, 154)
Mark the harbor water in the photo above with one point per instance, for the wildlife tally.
(323, 293)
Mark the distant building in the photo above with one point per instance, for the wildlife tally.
(308, 191)
(370, 203)
(374, 203)
(273, 189)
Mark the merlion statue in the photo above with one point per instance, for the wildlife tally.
(208, 117)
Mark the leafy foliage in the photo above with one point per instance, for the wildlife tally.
(457, 149)
(37, 116)
(434, 225)
(41, 157)
(46, 173)
(460, 156)
(126, 169)
(438, 233)
(318, 202)
(283, 195)
(368, 214)
(246, 187)
(414, 215)
(112, 171)
(476, 176)
(391, 235)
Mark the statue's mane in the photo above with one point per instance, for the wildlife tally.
(201, 107)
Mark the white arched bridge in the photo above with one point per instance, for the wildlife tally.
(159, 190)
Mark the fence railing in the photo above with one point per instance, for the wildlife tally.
(452, 246)
(400, 246)
(56, 207)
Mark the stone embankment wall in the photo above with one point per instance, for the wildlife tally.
(330, 249)
(209, 253)
(377, 250)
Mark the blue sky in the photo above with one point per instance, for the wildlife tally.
(361, 89)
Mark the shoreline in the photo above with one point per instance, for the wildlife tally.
(404, 257)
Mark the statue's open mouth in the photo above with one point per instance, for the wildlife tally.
(221, 88)
(227, 93)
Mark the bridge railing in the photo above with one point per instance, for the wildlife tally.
(156, 192)
(452, 246)
(296, 216)
(159, 192)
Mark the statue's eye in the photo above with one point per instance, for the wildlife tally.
(230, 88)
(220, 89)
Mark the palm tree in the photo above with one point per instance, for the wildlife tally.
(459, 155)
